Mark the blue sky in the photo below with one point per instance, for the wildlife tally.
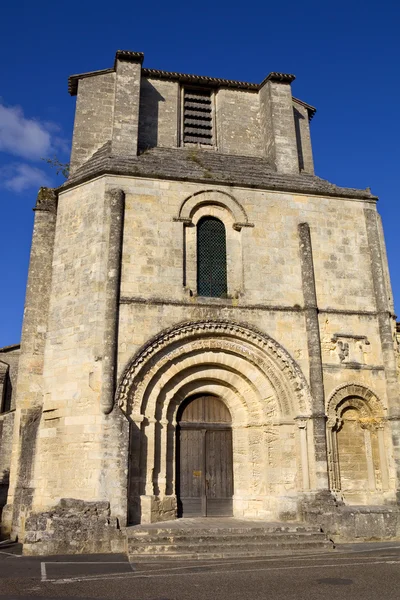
(345, 56)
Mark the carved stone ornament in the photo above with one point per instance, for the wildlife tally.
(350, 348)
(233, 339)
(216, 198)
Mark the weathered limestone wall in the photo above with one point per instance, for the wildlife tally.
(72, 419)
(278, 126)
(6, 439)
(303, 138)
(93, 117)
(136, 113)
(153, 264)
(9, 360)
(124, 139)
(83, 453)
(238, 123)
(272, 296)
(153, 246)
(29, 400)
(159, 114)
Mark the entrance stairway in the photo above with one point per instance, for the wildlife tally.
(203, 538)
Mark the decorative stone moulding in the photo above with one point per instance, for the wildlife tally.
(213, 198)
(359, 396)
(246, 343)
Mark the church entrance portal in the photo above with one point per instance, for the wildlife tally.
(204, 458)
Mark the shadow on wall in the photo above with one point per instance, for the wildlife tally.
(297, 117)
(150, 99)
(4, 483)
(137, 469)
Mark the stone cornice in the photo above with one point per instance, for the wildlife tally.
(46, 200)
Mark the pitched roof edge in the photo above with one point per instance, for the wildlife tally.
(278, 77)
(10, 348)
(131, 56)
(311, 109)
(73, 79)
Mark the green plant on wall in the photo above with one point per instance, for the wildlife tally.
(60, 168)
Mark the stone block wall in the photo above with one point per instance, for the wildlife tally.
(237, 118)
(93, 124)
(9, 361)
(136, 110)
(159, 114)
(6, 439)
(82, 453)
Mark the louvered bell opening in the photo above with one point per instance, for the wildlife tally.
(197, 117)
(211, 258)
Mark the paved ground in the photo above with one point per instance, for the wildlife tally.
(362, 572)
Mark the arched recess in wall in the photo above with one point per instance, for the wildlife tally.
(357, 442)
(263, 388)
(227, 209)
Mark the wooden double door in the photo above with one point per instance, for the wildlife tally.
(204, 458)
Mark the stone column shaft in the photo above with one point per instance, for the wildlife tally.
(112, 291)
(370, 462)
(315, 358)
(304, 455)
(382, 458)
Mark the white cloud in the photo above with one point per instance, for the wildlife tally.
(21, 177)
(27, 138)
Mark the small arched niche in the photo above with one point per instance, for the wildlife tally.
(356, 446)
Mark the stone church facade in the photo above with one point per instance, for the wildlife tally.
(209, 327)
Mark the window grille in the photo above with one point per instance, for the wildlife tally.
(211, 258)
(197, 117)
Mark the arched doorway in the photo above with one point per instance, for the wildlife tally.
(204, 458)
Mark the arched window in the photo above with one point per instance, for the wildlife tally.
(211, 258)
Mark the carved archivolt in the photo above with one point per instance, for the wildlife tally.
(190, 347)
(354, 395)
(216, 198)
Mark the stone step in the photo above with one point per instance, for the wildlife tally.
(221, 550)
(143, 530)
(195, 539)
(224, 537)
(172, 552)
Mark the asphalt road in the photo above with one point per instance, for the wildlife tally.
(367, 572)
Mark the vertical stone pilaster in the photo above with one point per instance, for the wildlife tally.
(29, 399)
(383, 307)
(277, 121)
(126, 103)
(315, 358)
(116, 204)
